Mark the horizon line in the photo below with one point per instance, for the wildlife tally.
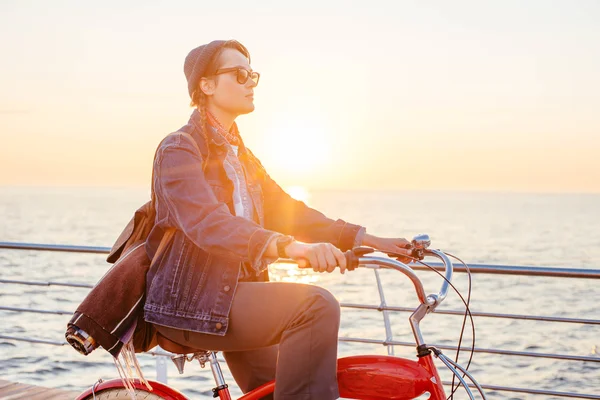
(320, 189)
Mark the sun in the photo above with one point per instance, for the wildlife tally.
(300, 147)
(298, 193)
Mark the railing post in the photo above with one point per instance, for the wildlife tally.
(386, 318)
(161, 369)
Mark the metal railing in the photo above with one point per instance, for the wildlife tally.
(389, 341)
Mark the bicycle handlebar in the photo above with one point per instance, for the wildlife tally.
(420, 244)
(352, 262)
(449, 269)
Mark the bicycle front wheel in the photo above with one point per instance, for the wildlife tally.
(122, 394)
(115, 390)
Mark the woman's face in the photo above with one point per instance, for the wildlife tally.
(227, 93)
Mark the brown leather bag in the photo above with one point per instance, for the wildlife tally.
(112, 312)
(114, 307)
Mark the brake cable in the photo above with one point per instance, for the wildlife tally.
(467, 311)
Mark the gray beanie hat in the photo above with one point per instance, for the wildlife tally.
(197, 61)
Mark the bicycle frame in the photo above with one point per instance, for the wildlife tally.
(359, 377)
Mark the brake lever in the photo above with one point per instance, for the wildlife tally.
(417, 254)
(418, 245)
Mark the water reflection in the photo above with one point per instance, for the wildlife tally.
(284, 272)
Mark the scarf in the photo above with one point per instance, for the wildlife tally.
(232, 136)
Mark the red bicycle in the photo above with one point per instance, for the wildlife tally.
(366, 377)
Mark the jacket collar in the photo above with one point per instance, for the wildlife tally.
(213, 135)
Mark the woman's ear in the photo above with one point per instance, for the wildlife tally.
(207, 86)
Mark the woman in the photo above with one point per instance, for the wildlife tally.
(210, 290)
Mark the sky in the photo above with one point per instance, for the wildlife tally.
(402, 95)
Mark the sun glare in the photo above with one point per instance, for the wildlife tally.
(300, 146)
(298, 193)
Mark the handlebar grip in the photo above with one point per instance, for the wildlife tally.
(352, 258)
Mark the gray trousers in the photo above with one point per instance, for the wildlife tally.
(277, 330)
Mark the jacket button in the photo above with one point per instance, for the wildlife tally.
(219, 325)
(226, 288)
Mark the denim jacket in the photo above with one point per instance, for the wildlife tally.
(193, 284)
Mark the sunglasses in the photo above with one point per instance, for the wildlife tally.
(242, 74)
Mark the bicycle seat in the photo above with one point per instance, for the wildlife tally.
(174, 347)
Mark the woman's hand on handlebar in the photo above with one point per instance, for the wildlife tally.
(390, 245)
(320, 257)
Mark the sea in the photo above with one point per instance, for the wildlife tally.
(549, 230)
